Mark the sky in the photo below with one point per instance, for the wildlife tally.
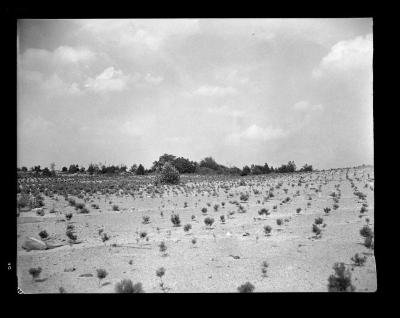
(244, 91)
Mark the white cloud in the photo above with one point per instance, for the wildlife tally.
(214, 91)
(225, 110)
(347, 56)
(153, 79)
(255, 132)
(306, 106)
(109, 80)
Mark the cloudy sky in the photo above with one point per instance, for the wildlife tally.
(240, 90)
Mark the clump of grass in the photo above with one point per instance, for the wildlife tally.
(79, 206)
(279, 221)
(126, 286)
(319, 220)
(115, 207)
(160, 273)
(62, 290)
(194, 241)
(216, 206)
(316, 229)
(264, 211)
(175, 220)
(222, 218)
(246, 288)
(187, 227)
(193, 217)
(267, 230)
(327, 210)
(95, 206)
(35, 272)
(340, 281)
(204, 210)
(366, 231)
(359, 260)
(71, 235)
(298, 210)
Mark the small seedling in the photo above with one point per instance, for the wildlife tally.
(101, 274)
(187, 227)
(163, 248)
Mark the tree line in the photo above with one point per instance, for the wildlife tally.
(206, 166)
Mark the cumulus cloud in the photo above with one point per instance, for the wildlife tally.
(109, 80)
(214, 91)
(151, 79)
(347, 56)
(62, 55)
(255, 132)
(306, 106)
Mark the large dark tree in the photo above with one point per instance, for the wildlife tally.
(140, 170)
(245, 171)
(210, 163)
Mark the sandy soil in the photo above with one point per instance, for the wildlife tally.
(224, 256)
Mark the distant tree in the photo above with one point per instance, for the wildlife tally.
(46, 172)
(91, 169)
(82, 169)
(24, 169)
(122, 168)
(266, 169)
(245, 171)
(73, 169)
(306, 168)
(210, 163)
(133, 168)
(184, 165)
(140, 170)
(234, 170)
(64, 169)
(255, 169)
(157, 165)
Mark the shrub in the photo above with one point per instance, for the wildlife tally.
(366, 231)
(204, 210)
(187, 227)
(43, 234)
(298, 210)
(194, 241)
(267, 229)
(341, 280)
(160, 272)
(222, 218)
(79, 206)
(35, 272)
(316, 229)
(327, 210)
(246, 288)
(209, 221)
(115, 207)
(369, 242)
(126, 286)
(175, 220)
(359, 260)
(216, 206)
(279, 221)
(68, 216)
(71, 235)
(244, 197)
(169, 174)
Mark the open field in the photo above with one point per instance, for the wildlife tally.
(224, 254)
